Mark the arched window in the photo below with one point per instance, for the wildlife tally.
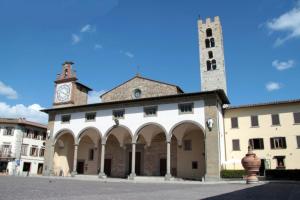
(208, 65)
(66, 73)
(207, 43)
(212, 42)
(214, 64)
(210, 54)
(208, 32)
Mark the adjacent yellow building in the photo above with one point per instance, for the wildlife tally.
(272, 129)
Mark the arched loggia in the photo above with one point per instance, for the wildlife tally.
(190, 137)
(64, 142)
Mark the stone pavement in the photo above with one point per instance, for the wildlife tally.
(14, 188)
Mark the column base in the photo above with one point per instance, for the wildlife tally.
(132, 176)
(168, 177)
(211, 178)
(102, 175)
(73, 174)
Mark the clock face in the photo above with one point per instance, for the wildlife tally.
(63, 92)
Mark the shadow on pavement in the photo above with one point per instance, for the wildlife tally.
(268, 191)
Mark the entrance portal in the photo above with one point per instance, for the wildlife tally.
(80, 167)
(163, 166)
(107, 166)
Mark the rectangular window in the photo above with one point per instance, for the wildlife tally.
(185, 108)
(8, 131)
(254, 121)
(33, 151)
(275, 120)
(90, 116)
(24, 149)
(256, 143)
(297, 118)
(234, 122)
(278, 143)
(118, 114)
(6, 150)
(91, 154)
(150, 111)
(187, 145)
(27, 133)
(35, 134)
(236, 145)
(42, 152)
(194, 165)
(298, 141)
(65, 118)
(280, 162)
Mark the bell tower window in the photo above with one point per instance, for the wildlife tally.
(210, 54)
(208, 65)
(212, 42)
(207, 43)
(208, 32)
(214, 64)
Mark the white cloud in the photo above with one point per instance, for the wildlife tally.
(288, 22)
(31, 113)
(271, 86)
(127, 53)
(7, 91)
(75, 38)
(98, 46)
(283, 65)
(88, 29)
(94, 96)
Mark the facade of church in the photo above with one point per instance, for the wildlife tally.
(145, 127)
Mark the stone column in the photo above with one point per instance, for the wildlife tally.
(168, 174)
(132, 175)
(102, 174)
(74, 172)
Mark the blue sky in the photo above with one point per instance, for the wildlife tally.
(108, 39)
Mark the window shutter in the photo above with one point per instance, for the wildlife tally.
(298, 141)
(234, 122)
(262, 143)
(272, 143)
(283, 142)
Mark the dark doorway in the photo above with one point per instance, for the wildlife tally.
(163, 166)
(26, 167)
(107, 166)
(137, 163)
(3, 166)
(80, 167)
(262, 167)
(40, 168)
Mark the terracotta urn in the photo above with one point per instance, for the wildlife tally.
(251, 164)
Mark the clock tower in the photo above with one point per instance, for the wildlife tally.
(68, 91)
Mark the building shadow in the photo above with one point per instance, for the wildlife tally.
(268, 191)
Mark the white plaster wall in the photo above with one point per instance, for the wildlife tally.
(222, 135)
(15, 141)
(167, 116)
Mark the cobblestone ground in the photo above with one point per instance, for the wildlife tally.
(13, 188)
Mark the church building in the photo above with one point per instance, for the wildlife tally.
(144, 127)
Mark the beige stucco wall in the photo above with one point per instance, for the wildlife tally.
(63, 157)
(287, 129)
(185, 158)
(90, 166)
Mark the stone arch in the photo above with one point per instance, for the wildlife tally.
(190, 140)
(82, 132)
(108, 132)
(61, 132)
(186, 121)
(138, 131)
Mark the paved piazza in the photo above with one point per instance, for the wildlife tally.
(12, 188)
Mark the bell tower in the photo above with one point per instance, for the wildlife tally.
(68, 91)
(212, 64)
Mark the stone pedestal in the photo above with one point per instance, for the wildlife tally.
(251, 164)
